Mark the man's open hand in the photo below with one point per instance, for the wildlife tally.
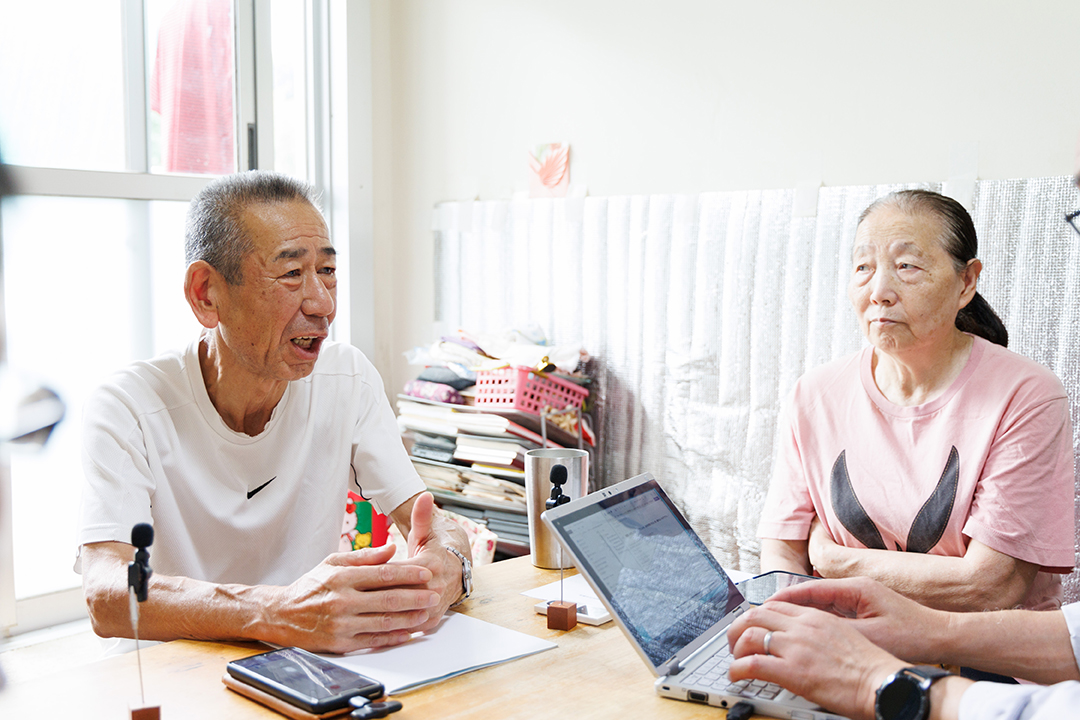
(429, 534)
(356, 600)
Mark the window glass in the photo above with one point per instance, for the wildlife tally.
(63, 107)
(190, 67)
(288, 19)
(75, 284)
(61, 87)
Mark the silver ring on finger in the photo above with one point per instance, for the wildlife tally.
(768, 641)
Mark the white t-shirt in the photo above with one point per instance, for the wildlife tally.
(991, 459)
(228, 507)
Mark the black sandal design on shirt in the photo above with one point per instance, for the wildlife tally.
(927, 528)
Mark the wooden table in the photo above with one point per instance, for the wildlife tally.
(594, 673)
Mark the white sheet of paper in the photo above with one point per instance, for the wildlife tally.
(574, 590)
(737, 576)
(577, 590)
(460, 644)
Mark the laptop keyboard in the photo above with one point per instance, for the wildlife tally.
(713, 675)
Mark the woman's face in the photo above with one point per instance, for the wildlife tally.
(904, 285)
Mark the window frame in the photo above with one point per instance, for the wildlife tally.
(18, 615)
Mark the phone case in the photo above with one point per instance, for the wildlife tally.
(277, 704)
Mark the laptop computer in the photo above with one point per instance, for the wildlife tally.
(668, 593)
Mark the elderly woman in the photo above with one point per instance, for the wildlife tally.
(934, 460)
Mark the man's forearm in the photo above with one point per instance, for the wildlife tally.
(945, 697)
(1033, 645)
(347, 602)
(175, 608)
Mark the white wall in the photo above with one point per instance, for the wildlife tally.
(694, 95)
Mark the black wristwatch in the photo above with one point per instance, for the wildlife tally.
(905, 695)
(466, 576)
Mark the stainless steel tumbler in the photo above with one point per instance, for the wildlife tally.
(544, 547)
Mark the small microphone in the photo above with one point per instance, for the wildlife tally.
(558, 474)
(142, 535)
(558, 479)
(139, 572)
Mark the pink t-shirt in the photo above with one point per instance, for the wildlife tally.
(991, 459)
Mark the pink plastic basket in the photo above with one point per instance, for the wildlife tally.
(520, 388)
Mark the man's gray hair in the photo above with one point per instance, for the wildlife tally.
(215, 230)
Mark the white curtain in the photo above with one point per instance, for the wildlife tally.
(701, 311)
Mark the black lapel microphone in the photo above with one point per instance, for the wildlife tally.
(139, 572)
(558, 478)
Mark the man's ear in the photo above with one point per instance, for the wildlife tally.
(202, 288)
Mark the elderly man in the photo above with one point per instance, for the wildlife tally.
(240, 451)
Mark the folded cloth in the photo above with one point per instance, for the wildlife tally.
(462, 341)
(446, 376)
(433, 391)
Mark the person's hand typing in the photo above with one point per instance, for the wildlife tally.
(811, 653)
(884, 616)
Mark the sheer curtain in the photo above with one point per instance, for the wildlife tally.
(701, 311)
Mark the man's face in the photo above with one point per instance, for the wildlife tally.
(275, 321)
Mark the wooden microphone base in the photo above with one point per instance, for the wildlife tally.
(152, 712)
(561, 615)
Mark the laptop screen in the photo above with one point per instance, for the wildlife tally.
(659, 577)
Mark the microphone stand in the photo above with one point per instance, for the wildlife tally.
(561, 615)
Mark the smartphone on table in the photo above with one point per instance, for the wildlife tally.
(303, 679)
(760, 588)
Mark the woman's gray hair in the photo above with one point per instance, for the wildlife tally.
(215, 231)
(960, 241)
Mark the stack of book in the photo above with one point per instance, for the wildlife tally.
(500, 457)
(446, 478)
(443, 419)
(429, 447)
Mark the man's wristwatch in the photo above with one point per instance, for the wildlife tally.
(466, 575)
(905, 695)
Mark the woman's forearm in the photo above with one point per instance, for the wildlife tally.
(788, 555)
(983, 579)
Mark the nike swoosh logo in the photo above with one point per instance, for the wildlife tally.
(251, 493)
